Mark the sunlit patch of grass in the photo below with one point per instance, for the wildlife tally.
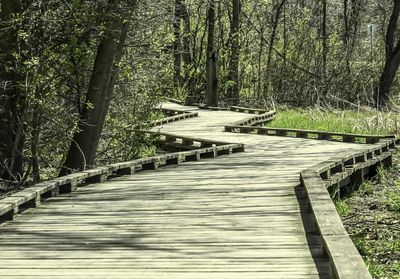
(364, 122)
(366, 188)
(380, 173)
(377, 270)
(373, 250)
(342, 208)
(394, 199)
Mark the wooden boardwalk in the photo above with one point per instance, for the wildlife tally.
(237, 216)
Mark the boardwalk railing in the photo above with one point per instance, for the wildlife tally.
(326, 180)
(172, 142)
(307, 134)
(175, 101)
(231, 108)
(336, 173)
(32, 196)
(253, 120)
(248, 110)
(194, 149)
(174, 115)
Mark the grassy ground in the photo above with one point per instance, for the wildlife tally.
(363, 122)
(371, 214)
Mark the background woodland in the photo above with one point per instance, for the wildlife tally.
(79, 78)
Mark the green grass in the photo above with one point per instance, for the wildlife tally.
(378, 266)
(342, 208)
(365, 122)
(366, 188)
(394, 199)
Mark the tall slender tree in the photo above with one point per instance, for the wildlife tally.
(211, 67)
(324, 38)
(177, 44)
(278, 7)
(233, 89)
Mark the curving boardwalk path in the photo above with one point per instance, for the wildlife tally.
(237, 216)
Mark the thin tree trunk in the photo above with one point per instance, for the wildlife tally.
(346, 35)
(233, 89)
(321, 93)
(186, 53)
(84, 144)
(177, 45)
(275, 24)
(211, 70)
(284, 53)
(186, 50)
(35, 138)
(260, 54)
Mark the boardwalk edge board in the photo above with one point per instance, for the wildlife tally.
(340, 171)
(258, 118)
(231, 108)
(307, 134)
(33, 196)
(174, 115)
(175, 101)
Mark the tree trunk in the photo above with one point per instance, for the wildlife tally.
(211, 70)
(275, 24)
(382, 92)
(322, 93)
(177, 45)
(233, 89)
(12, 95)
(84, 144)
(186, 53)
(260, 54)
(182, 48)
(35, 138)
(346, 35)
(114, 77)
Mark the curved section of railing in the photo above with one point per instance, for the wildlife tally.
(308, 134)
(248, 110)
(33, 196)
(190, 149)
(231, 108)
(175, 101)
(253, 119)
(328, 178)
(174, 115)
(336, 173)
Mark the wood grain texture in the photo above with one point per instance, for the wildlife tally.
(236, 216)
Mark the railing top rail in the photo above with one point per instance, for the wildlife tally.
(313, 132)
